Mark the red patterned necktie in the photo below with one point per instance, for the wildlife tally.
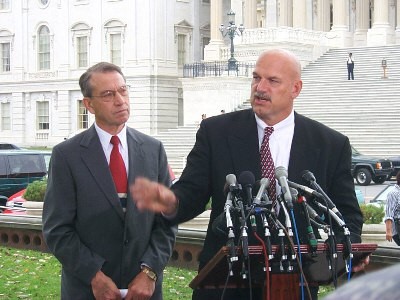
(117, 168)
(267, 165)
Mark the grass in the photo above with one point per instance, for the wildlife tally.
(27, 274)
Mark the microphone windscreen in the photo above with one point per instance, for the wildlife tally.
(281, 172)
(294, 193)
(247, 178)
(230, 179)
(307, 176)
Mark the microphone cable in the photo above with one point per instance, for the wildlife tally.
(349, 269)
(299, 252)
(226, 281)
(331, 243)
(298, 257)
(266, 262)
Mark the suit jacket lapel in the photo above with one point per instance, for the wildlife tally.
(93, 157)
(243, 144)
(136, 168)
(304, 154)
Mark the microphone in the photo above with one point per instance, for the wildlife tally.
(313, 214)
(247, 179)
(305, 189)
(310, 179)
(338, 220)
(310, 232)
(222, 222)
(281, 174)
(231, 184)
(264, 183)
(228, 224)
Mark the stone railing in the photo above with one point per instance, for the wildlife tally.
(25, 232)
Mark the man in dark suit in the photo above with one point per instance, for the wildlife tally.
(230, 144)
(104, 243)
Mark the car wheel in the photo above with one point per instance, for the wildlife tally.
(380, 179)
(363, 176)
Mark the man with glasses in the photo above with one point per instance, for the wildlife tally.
(107, 247)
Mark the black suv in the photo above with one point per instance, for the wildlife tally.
(18, 168)
(366, 168)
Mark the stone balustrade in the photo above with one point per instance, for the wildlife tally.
(25, 232)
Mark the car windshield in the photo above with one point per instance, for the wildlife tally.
(382, 196)
(354, 151)
(30, 163)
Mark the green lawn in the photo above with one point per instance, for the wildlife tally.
(26, 274)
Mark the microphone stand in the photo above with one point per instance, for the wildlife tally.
(331, 239)
(281, 235)
(267, 236)
(243, 238)
(310, 232)
(231, 237)
(347, 254)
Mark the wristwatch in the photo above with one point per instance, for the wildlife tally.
(149, 272)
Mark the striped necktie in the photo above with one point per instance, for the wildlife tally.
(267, 165)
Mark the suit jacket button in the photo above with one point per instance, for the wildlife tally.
(126, 242)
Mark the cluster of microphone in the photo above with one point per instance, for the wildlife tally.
(247, 204)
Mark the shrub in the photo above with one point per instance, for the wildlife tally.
(35, 191)
(372, 214)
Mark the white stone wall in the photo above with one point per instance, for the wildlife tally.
(209, 95)
(149, 61)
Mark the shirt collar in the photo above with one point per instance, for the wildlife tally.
(105, 137)
(288, 121)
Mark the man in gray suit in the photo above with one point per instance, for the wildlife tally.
(104, 243)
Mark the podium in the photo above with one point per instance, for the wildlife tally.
(283, 284)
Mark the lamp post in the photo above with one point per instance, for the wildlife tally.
(231, 30)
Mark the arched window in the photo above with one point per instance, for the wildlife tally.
(44, 48)
(183, 39)
(81, 33)
(6, 41)
(115, 38)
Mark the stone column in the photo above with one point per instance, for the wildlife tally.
(397, 21)
(250, 14)
(285, 13)
(362, 19)
(339, 15)
(341, 36)
(323, 15)
(381, 33)
(300, 14)
(381, 12)
(216, 19)
(271, 14)
(211, 51)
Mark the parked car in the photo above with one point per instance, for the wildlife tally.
(47, 156)
(8, 146)
(396, 165)
(381, 197)
(15, 204)
(18, 168)
(365, 168)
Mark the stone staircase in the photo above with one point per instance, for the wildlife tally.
(178, 142)
(367, 109)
